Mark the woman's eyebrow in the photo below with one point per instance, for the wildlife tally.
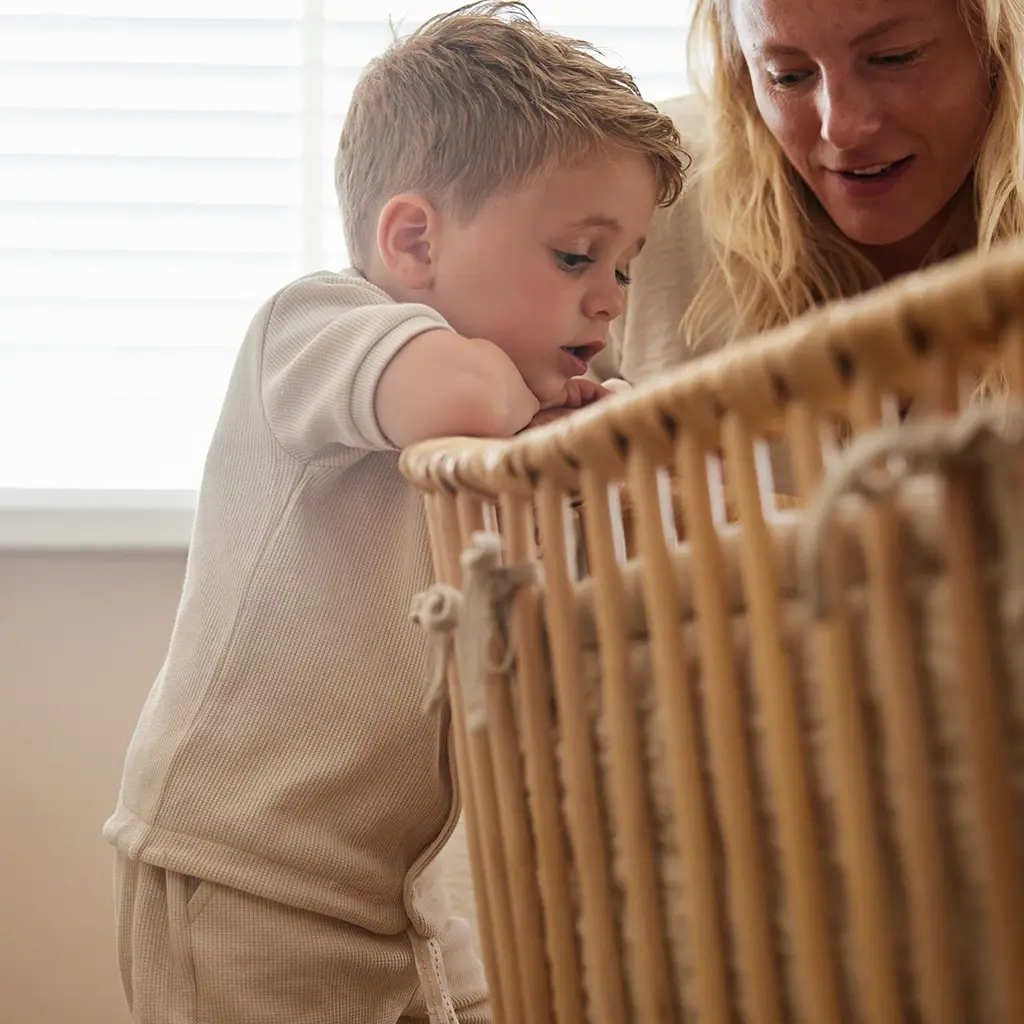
(770, 49)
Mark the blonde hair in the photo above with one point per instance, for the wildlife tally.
(480, 101)
(775, 252)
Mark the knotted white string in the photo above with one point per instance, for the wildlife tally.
(474, 621)
(437, 610)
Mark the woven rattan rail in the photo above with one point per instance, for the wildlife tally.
(741, 761)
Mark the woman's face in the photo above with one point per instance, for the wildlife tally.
(879, 105)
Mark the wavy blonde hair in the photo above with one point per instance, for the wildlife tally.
(775, 252)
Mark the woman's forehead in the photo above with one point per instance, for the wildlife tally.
(804, 24)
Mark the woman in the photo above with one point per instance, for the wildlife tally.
(837, 144)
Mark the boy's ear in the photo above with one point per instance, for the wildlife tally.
(407, 239)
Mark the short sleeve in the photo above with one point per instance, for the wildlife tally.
(328, 339)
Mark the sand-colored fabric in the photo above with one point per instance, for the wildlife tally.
(195, 952)
(283, 753)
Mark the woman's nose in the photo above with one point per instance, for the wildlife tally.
(849, 112)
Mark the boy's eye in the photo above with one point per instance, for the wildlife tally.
(573, 260)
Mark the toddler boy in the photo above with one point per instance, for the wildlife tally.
(285, 794)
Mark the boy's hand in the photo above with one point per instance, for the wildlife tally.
(580, 391)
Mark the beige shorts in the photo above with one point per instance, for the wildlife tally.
(194, 952)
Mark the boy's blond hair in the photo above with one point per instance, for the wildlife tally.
(481, 101)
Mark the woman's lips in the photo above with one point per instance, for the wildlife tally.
(870, 186)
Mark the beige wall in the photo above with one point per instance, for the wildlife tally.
(81, 637)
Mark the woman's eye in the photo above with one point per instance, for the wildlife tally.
(896, 60)
(786, 79)
(622, 278)
(573, 260)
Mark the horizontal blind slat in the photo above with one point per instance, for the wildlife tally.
(150, 228)
(150, 87)
(91, 41)
(134, 443)
(153, 10)
(168, 134)
(109, 180)
(106, 372)
(153, 275)
(55, 324)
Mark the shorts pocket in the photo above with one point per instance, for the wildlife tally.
(199, 892)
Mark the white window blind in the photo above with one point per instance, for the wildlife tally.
(164, 167)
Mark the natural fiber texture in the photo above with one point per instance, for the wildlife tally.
(919, 532)
(749, 754)
(989, 436)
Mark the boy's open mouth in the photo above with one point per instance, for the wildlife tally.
(584, 352)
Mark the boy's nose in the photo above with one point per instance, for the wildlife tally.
(605, 303)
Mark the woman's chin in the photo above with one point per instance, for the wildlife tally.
(876, 232)
(887, 224)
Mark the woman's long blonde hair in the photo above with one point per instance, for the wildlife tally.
(775, 252)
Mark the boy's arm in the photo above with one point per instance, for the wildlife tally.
(440, 384)
(336, 354)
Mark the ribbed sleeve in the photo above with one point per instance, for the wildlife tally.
(328, 339)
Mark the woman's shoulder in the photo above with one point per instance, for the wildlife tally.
(687, 113)
(667, 273)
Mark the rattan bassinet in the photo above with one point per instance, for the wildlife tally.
(768, 765)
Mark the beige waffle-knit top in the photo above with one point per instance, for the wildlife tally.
(284, 749)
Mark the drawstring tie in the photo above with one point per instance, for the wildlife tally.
(474, 622)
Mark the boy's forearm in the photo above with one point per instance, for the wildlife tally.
(442, 384)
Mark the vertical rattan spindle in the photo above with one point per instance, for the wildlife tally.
(493, 841)
(985, 737)
(728, 749)
(445, 543)
(776, 693)
(500, 737)
(859, 836)
(602, 959)
(647, 956)
(678, 720)
(910, 771)
(536, 727)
